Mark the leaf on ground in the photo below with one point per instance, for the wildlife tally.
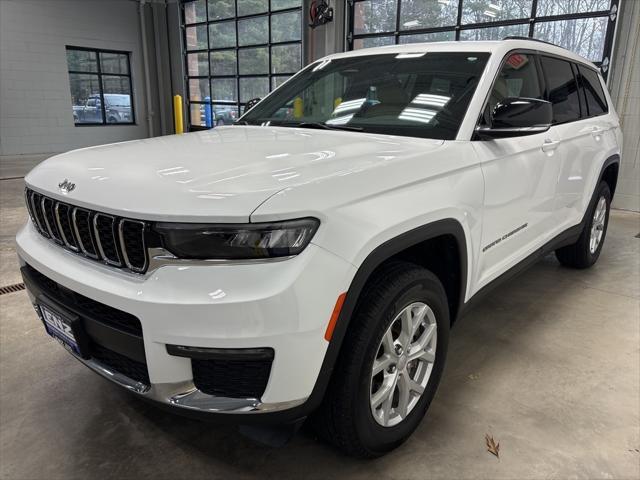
(492, 446)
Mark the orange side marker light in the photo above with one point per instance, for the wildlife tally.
(334, 317)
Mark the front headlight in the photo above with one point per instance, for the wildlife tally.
(237, 241)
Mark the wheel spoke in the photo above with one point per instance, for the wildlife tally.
(416, 387)
(418, 319)
(387, 343)
(404, 394)
(380, 364)
(420, 354)
(426, 337)
(407, 328)
(381, 395)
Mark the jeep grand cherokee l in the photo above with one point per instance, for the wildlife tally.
(310, 260)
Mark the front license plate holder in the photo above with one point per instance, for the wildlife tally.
(64, 326)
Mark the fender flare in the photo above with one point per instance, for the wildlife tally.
(380, 254)
(613, 159)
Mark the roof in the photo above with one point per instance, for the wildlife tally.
(499, 47)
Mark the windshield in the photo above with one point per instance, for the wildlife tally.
(411, 94)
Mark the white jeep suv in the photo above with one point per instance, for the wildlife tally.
(311, 259)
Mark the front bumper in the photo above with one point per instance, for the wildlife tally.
(281, 305)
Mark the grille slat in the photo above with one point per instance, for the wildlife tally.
(63, 218)
(119, 242)
(105, 235)
(134, 252)
(82, 226)
(36, 205)
(50, 220)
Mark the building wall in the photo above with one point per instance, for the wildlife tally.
(624, 84)
(35, 100)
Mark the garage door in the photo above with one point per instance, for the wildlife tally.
(235, 51)
(583, 26)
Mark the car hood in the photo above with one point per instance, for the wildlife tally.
(222, 174)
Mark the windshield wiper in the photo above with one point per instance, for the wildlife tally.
(324, 126)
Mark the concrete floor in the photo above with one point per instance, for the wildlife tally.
(549, 365)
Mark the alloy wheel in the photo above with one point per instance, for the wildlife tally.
(403, 364)
(597, 225)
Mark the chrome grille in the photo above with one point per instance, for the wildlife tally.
(116, 241)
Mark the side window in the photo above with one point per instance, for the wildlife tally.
(517, 78)
(594, 94)
(562, 89)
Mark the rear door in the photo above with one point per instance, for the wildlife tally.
(580, 139)
(520, 175)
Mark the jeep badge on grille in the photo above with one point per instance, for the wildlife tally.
(66, 186)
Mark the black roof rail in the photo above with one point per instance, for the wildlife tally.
(519, 37)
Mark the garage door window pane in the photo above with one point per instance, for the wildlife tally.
(253, 31)
(285, 27)
(373, 16)
(494, 33)
(251, 7)
(114, 63)
(221, 9)
(195, 12)
(196, 115)
(427, 14)
(82, 61)
(223, 89)
(254, 61)
(584, 36)
(480, 11)
(285, 58)
(225, 114)
(198, 64)
(280, 4)
(85, 98)
(117, 99)
(277, 81)
(253, 88)
(198, 89)
(428, 37)
(196, 37)
(223, 62)
(562, 7)
(222, 35)
(372, 42)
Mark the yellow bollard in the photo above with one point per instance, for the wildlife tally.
(298, 108)
(177, 113)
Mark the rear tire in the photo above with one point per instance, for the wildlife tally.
(585, 252)
(402, 297)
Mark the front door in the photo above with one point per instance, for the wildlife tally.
(520, 176)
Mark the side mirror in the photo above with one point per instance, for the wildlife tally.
(517, 116)
(251, 103)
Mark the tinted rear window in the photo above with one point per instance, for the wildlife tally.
(562, 89)
(594, 94)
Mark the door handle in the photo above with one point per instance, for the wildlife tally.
(550, 145)
(597, 132)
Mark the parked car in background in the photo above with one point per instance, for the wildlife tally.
(117, 109)
(220, 115)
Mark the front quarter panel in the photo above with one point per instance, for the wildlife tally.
(360, 211)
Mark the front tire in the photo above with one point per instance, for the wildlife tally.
(585, 252)
(390, 363)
